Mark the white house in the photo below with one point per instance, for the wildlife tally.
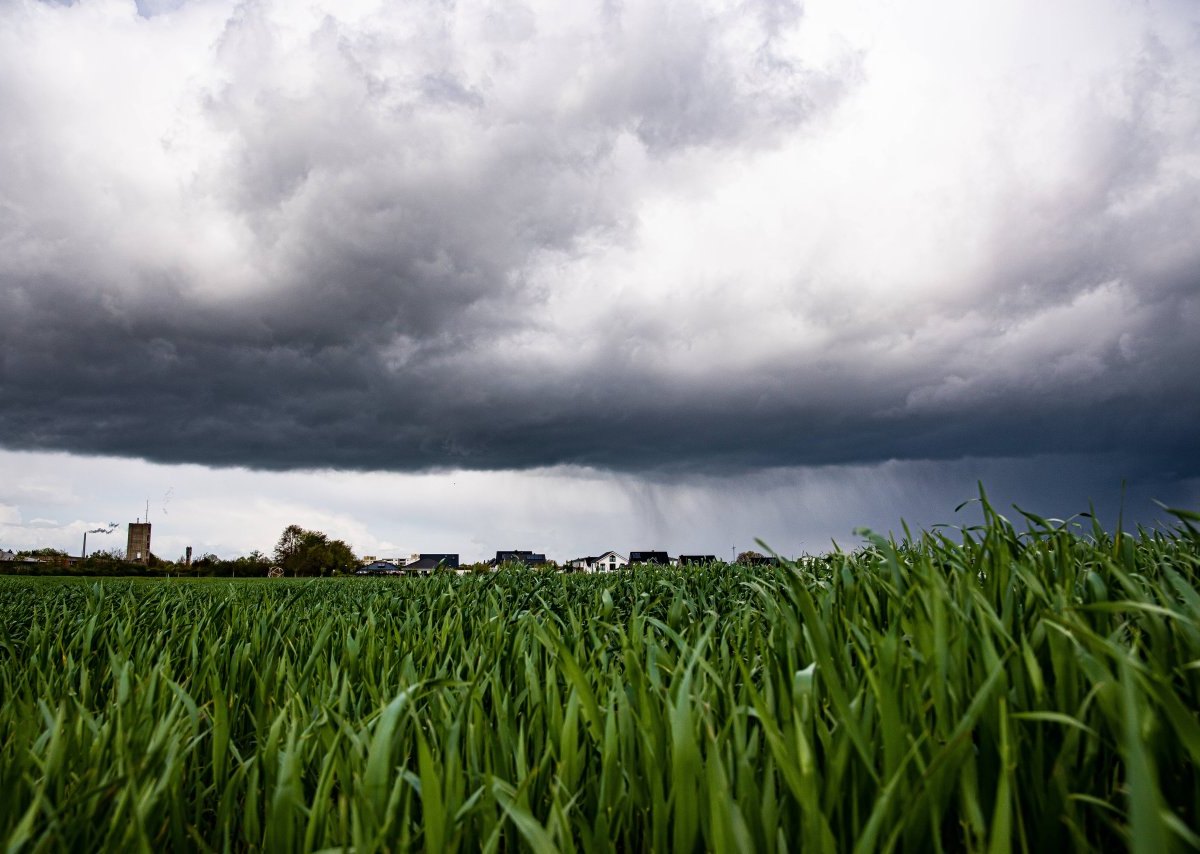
(607, 562)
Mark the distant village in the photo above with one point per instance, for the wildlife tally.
(610, 561)
(137, 552)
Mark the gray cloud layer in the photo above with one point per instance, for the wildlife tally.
(665, 237)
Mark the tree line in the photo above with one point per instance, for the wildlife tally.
(298, 553)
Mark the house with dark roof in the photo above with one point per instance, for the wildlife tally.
(379, 567)
(610, 561)
(518, 556)
(696, 560)
(427, 562)
(656, 558)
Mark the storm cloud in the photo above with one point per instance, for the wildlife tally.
(652, 237)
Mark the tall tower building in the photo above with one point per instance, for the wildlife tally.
(137, 550)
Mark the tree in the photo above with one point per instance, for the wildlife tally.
(291, 541)
(749, 557)
(254, 564)
(303, 552)
(41, 553)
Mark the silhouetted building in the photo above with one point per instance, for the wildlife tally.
(518, 556)
(657, 558)
(137, 549)
(427, 562)
(377, 567)
(684, 560)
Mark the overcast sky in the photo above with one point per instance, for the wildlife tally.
(434, 276)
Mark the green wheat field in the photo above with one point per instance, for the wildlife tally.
(1008, 687)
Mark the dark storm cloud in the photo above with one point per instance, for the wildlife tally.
(420, 239)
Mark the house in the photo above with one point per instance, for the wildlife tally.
(379, 567)
(657, 558)
(518, 556)
(696, 560)
(7, 555)
(427, 562)
(607, 562)
(367, 560)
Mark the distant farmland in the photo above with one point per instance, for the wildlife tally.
(1004, 688)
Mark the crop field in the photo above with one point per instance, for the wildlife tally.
(1007, 687)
